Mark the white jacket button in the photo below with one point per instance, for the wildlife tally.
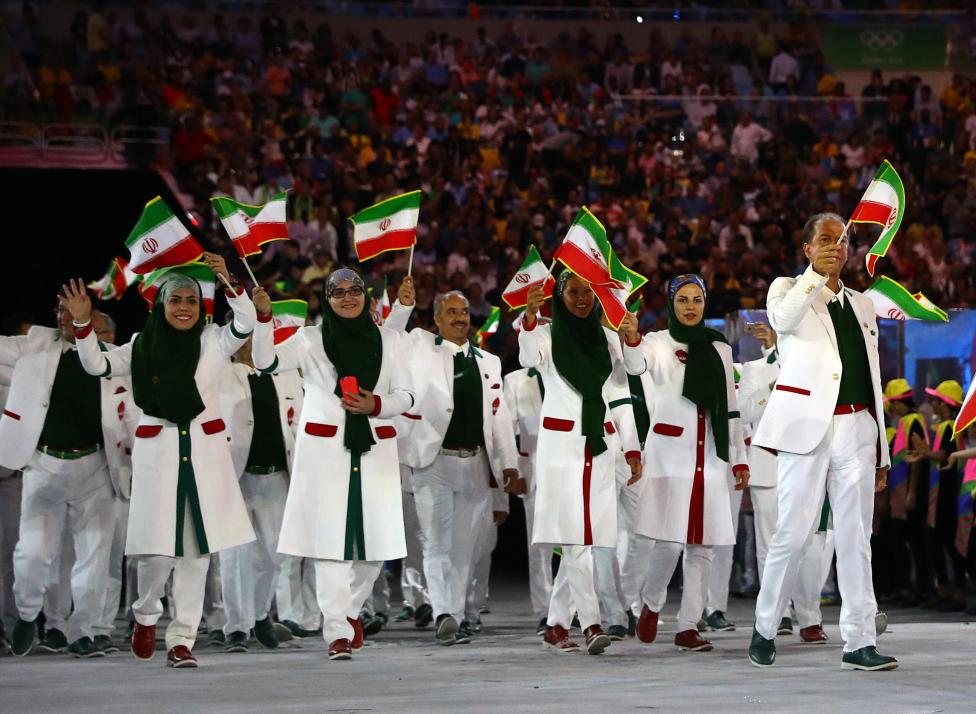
(836, 376)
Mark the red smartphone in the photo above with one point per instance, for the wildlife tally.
(349, 386)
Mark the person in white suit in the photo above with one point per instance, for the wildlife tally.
(67, 432)
(587, 425)
(695, 455)
(825, 420)
(462, 440)
(344, 503)
(261, 412)
(186, 502)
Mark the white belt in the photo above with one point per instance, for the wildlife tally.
(461, 453)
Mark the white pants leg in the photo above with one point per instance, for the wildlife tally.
(577, 562)
(540, 564)
(57, 593)
(295, 593)
(412, 582)
(10, 494)
(342, 587)
(237, 587)
(844, 462)
(113, 593)
(189, 583)
(663, 559)
(606, 574)
(633, 551)
(806, 593)
(560, 600)
(477, 596)
(764, 517)
(696, 568)
(721, 570)
(378, 597)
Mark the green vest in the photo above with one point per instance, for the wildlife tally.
(74, 414)
(855, 380)
(466, 430)
(267, 441)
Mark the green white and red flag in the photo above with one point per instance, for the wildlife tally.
(160, 240)
(198, 271)
(288, 317)
(116, 280)
(490, 327)
(614, 299)
(967, 412)
(893, 300)
(387, 225)
(531, 273)
(883, 204)
(383, 305)
(250, 227)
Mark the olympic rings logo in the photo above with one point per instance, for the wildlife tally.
(881, 39)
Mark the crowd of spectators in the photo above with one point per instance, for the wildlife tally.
(699, 153)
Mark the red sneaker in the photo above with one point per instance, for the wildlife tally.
(340, 649)
(647, 625)
(357, 634)
(596, 640)
(691, 641)
(557, 639)
(144, 641)
(180, 657)
(813, 635)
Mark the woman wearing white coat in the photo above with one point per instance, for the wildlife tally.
(586, 417)
(344, 507)
(186, 502)
(695, 438)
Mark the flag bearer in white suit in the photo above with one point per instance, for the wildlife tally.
(67, 432)
(261, 412)
(462, 435)
(587, 424)
(825, 419)
(186, 502)
(524, 392)
(695, 439)
(344, 505)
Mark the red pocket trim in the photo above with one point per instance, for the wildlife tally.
(553, 424)
(496, 386)
(120, 390)
(668, 429)
(147, 431)
(215, 426)
(408, 415)
(320, 429)
(11, 414)
(794, 390)
(611, 429)
(385, 432)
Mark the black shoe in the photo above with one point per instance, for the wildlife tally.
(25, 634)
(575, 622)
(762, 652)
(236, 642)
(867, 659)
(217, 638)
(264, 632)
(297, 630)
(717, 622)
(631, 624)
(372, 624)
(84, 648)
(55, 641)
(464, 634)
(540, 629)
(616, 633)
(41, 622)
(447, 628)
(105, 644)
(785, 627)
(423, 616)
(406, 614)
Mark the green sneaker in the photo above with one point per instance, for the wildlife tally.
(785, 627)
(25, 634)
(406, 614)
(717, 622)
(264, 632)
(762, 652)
(54, 641)
(868, 659)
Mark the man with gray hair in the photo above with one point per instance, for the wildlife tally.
(462, 443)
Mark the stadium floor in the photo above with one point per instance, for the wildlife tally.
(506, 669)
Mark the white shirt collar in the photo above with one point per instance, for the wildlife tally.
(829, 294)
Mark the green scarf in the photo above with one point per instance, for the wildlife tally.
(164, 362)
(582, 357)
(705, 383)
(355, 348)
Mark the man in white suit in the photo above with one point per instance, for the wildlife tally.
(462, 436)
(825, 420)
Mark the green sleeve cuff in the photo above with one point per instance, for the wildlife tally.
(270, 368)
(620, 402)
(734, 415)
(238, 335)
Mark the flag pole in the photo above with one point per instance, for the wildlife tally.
(225, 281)
(249, 271)
(410, 262)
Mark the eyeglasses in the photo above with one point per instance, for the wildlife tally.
(340, 293)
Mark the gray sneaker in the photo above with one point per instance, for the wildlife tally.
(447, 628)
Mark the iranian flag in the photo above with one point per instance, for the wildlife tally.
(160, 240)
(967, 412)
(490, 327)
(116, 281)
(288, 317)
(532, 272)
(383, 306)
(614, 299)
(387, 225)
(883, 203)
(892, 300)
(198, 271)
(250, 227)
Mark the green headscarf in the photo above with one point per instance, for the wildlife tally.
(582, 357)
(164, 360)
(705, 380)
(355, 348)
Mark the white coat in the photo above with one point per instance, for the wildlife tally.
(238, 411)
(523, 399)
(576, 496)
(755, 387)
(34, 358)
(680, 450)
(156, 450)
(316, 515)
(801, 407)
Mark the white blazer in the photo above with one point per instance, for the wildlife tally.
(34, 358)
(523, 398)
(755, 386)
(235, 403)
(433, 411)
(802, 404)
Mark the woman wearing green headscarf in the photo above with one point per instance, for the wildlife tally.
(694, 453)
(186, 502)
(344, 507)
(587, 425)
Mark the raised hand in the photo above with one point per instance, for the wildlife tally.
(628, 328)
(75, 300)
(535, 299)
(406, 295)
(261, 300)
(216, 263)
(828, 260)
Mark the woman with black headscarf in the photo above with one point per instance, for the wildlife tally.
(587, 424)
(694, 454)
(344, 507)
(185, 502)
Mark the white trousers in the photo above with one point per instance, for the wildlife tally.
(342, 587)
(116, 570)
(248, 572)
(412, 583)
(452, 498)
(10, 494)
(697, 562)
(189, 581)
(477, 596)
(59, 493)
(633, 551)
(378, 599)
(540, 564)
(806, 592)
(721, 571)
(574, 585)
(295, 593)
(843, 464)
